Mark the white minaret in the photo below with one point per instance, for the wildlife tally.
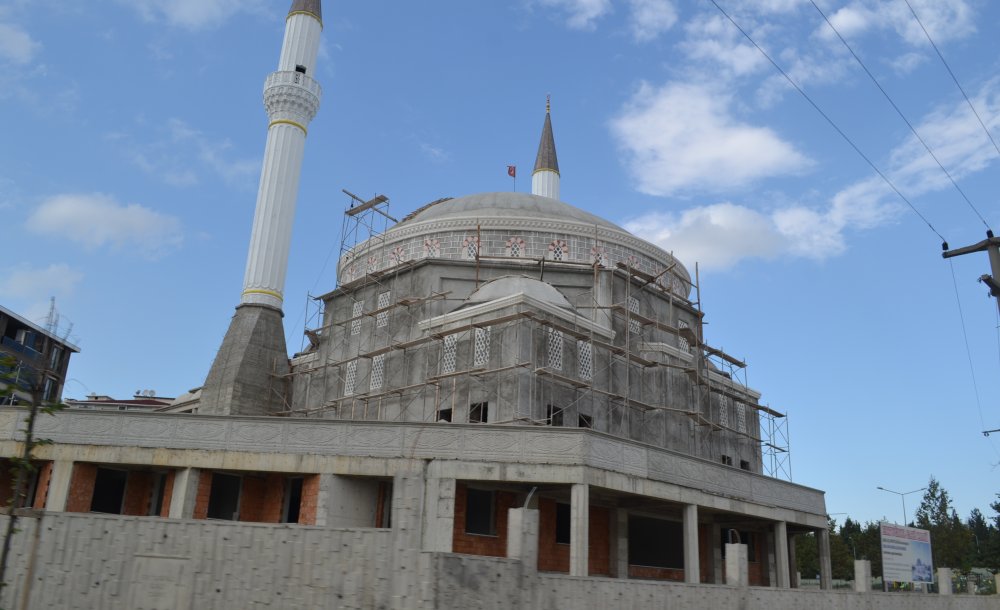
(291, 98)
(545, 178)
(249, 374)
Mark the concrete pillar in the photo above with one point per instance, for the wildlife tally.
(944, 581)
(781, 555)
(184, 493)
(996, 583)
(59, 480)
(862, 576)
(620, 543)
(439, 516)
(579, 530)
(717, 564)
(692, 565)
(793, 567)
(522, 537)
(407, 494)
(825, 567)
(737, 571)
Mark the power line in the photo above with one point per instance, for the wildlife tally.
(899, 112)
(829, 120)
(968, 352)
(957, 84)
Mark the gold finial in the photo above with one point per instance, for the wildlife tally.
(548, 103)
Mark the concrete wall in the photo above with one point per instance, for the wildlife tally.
(108, 562)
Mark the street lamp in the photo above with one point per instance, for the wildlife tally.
(902, 496)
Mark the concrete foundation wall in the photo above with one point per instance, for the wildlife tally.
(107, 562)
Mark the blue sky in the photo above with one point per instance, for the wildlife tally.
(135, 129)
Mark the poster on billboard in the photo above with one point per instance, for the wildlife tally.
(906, 554)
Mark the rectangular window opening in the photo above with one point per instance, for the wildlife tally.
(562, 523)
(585, 421)
(553, 415)
(479, 412)
(109, 491)
(480, 512)
(655, 543)
(744, 464)
(727, 460)
(224, 499)
(159, 489)
(292, 501)
(444, 415)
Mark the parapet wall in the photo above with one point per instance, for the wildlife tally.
(89, 561)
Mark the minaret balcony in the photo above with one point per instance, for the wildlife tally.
(291, 95)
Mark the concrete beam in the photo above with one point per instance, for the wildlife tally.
(579, 524)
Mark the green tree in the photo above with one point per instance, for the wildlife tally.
(950, 538)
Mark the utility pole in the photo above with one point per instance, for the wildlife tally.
(991, 245)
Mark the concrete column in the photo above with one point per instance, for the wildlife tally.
(717, 563)
(692, 565)
(579, 533)
(621, 543)
(737, 571)
(407, 494)
(793, 568)
(439, 516)
(184, 493)
(522, 537)
(825, 567)
(862, 576)
(944, 581)
(59, 480)
(781, 555)
(996, 583)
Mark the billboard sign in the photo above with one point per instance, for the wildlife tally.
(906, 554)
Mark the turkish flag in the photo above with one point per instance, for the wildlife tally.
(512, 171)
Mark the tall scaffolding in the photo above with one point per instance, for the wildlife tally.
(713, 374)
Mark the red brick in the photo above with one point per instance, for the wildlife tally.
(204, 493)
(81, 488)
(310, 500)
(261, 498)
(474, 544)
(138, 493)
(554, 557)
(168, 491)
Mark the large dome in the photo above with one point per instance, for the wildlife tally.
(485, 206)
(512, 225)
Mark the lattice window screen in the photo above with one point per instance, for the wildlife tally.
(555, 348)
(724, 412)
(448, 357)
(378, 372)
(681, 341)
(351, 378)
(634, 326)
(356, 317)
(382, 319)
(585, 359)
(741, 417)
(482, 351)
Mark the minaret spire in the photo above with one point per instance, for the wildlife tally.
(246, 377)
(545, 178)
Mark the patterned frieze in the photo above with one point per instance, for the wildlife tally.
(400, 440)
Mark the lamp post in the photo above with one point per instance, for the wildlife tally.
(902, 496)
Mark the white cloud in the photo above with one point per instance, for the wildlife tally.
(712, 39)
(906, 63)
(719, 235)
(96, 220)
(169, 156)
(33, 283)
(16, 45)
(582, 13)
(682, 137)
(649, 18)
(192, 14)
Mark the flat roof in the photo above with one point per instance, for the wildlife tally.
(38, 329)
